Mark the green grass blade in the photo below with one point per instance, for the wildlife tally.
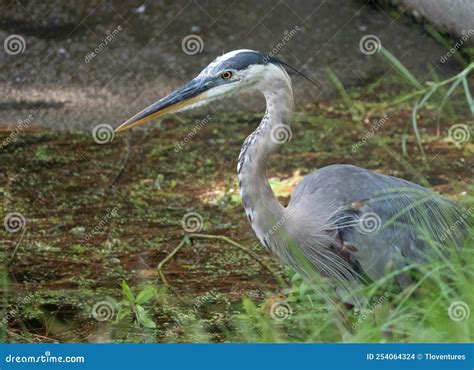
(468, 94)
(447, 44)
(342, 91)
(400, 67)
(450, 91)
(414, 122)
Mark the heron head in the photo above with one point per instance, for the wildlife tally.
(239, 70)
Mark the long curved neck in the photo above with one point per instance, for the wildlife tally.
(261, 205)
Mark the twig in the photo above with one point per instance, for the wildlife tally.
(240, 247)
(168, 257)
(221, 238)
(16, 247)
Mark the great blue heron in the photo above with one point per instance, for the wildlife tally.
(347, 222)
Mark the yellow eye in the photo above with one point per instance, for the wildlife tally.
(226, 75)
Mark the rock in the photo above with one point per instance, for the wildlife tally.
(454, 16)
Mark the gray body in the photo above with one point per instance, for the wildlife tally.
(403, 216)
(346, 222)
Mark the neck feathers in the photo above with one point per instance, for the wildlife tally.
(261, 205)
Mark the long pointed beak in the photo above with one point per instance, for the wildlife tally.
(191, 93)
